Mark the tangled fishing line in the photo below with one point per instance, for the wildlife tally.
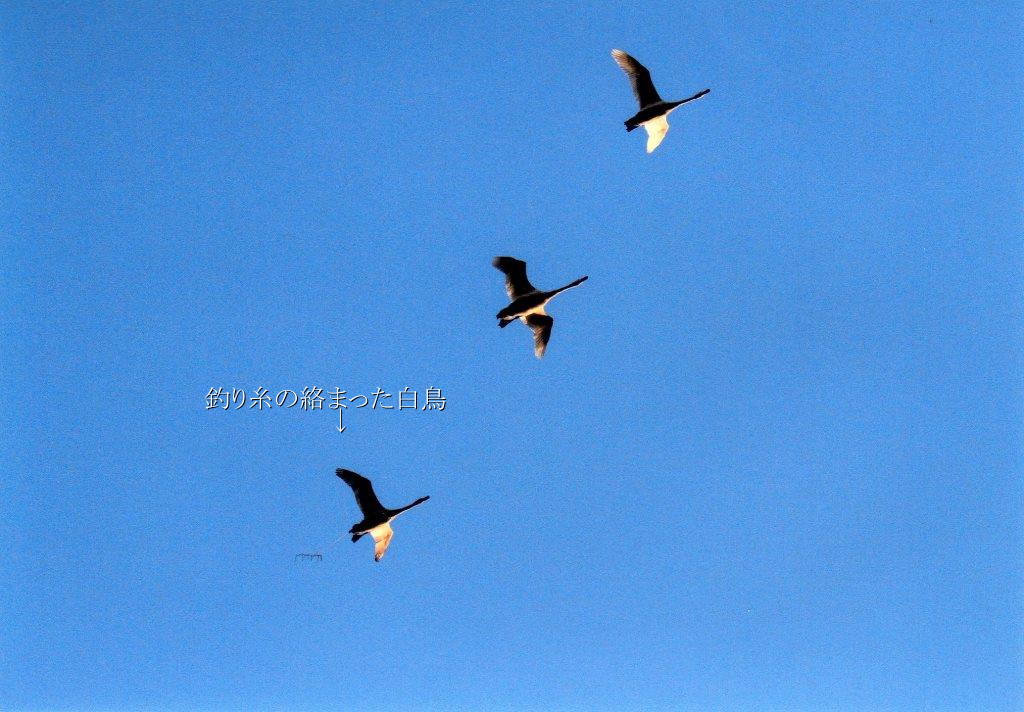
(317, 556)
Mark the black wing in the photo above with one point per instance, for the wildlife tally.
(639, 77)
(540, 324)
(516, 283)
(363, 488)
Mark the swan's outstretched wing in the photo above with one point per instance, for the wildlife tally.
(516, 283)
(381, 539)
(368, 503)
(540, 324)
(656, 130)
(639, 77)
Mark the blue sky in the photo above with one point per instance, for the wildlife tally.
(772, 459)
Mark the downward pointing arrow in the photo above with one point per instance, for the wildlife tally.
(341, 428)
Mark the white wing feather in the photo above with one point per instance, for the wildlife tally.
(381, 539)
(656, 130)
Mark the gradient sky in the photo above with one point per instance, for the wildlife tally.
(772, 459)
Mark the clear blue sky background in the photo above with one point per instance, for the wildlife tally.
(771, 461)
